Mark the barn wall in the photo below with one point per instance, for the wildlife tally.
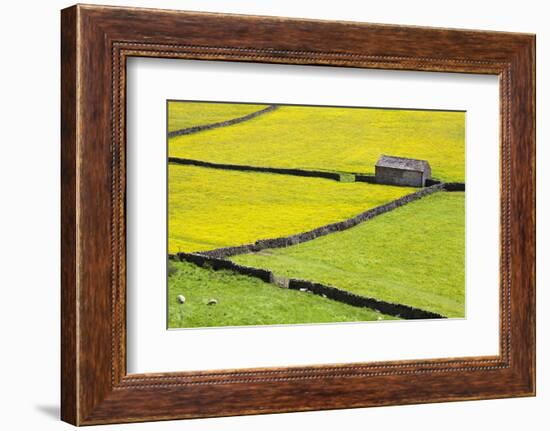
(399, 177)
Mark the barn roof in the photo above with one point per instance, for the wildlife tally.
(403, 163)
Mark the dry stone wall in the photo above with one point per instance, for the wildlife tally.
(330, 292)
(195, 129)
(299, 238)
(247, 168)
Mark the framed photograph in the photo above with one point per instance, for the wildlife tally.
(265, 215)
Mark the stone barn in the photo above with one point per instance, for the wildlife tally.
(400, 171)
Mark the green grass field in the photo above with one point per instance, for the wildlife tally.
(414, 255)
(212, 208)
(248, 301)
(182, 115)
(334, 139)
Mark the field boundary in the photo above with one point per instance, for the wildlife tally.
(249, 168)
(454, 187)
(326, 291)
(230, 122)
(331, 175)
(302, 237)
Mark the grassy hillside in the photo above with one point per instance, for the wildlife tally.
(338, 139)
(247, 301)
(414, 255)
(211, 208)
(182, 115)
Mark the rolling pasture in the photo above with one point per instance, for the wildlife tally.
(413, 255)
(334, 139)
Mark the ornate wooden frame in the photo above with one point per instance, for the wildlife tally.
(96, 41)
